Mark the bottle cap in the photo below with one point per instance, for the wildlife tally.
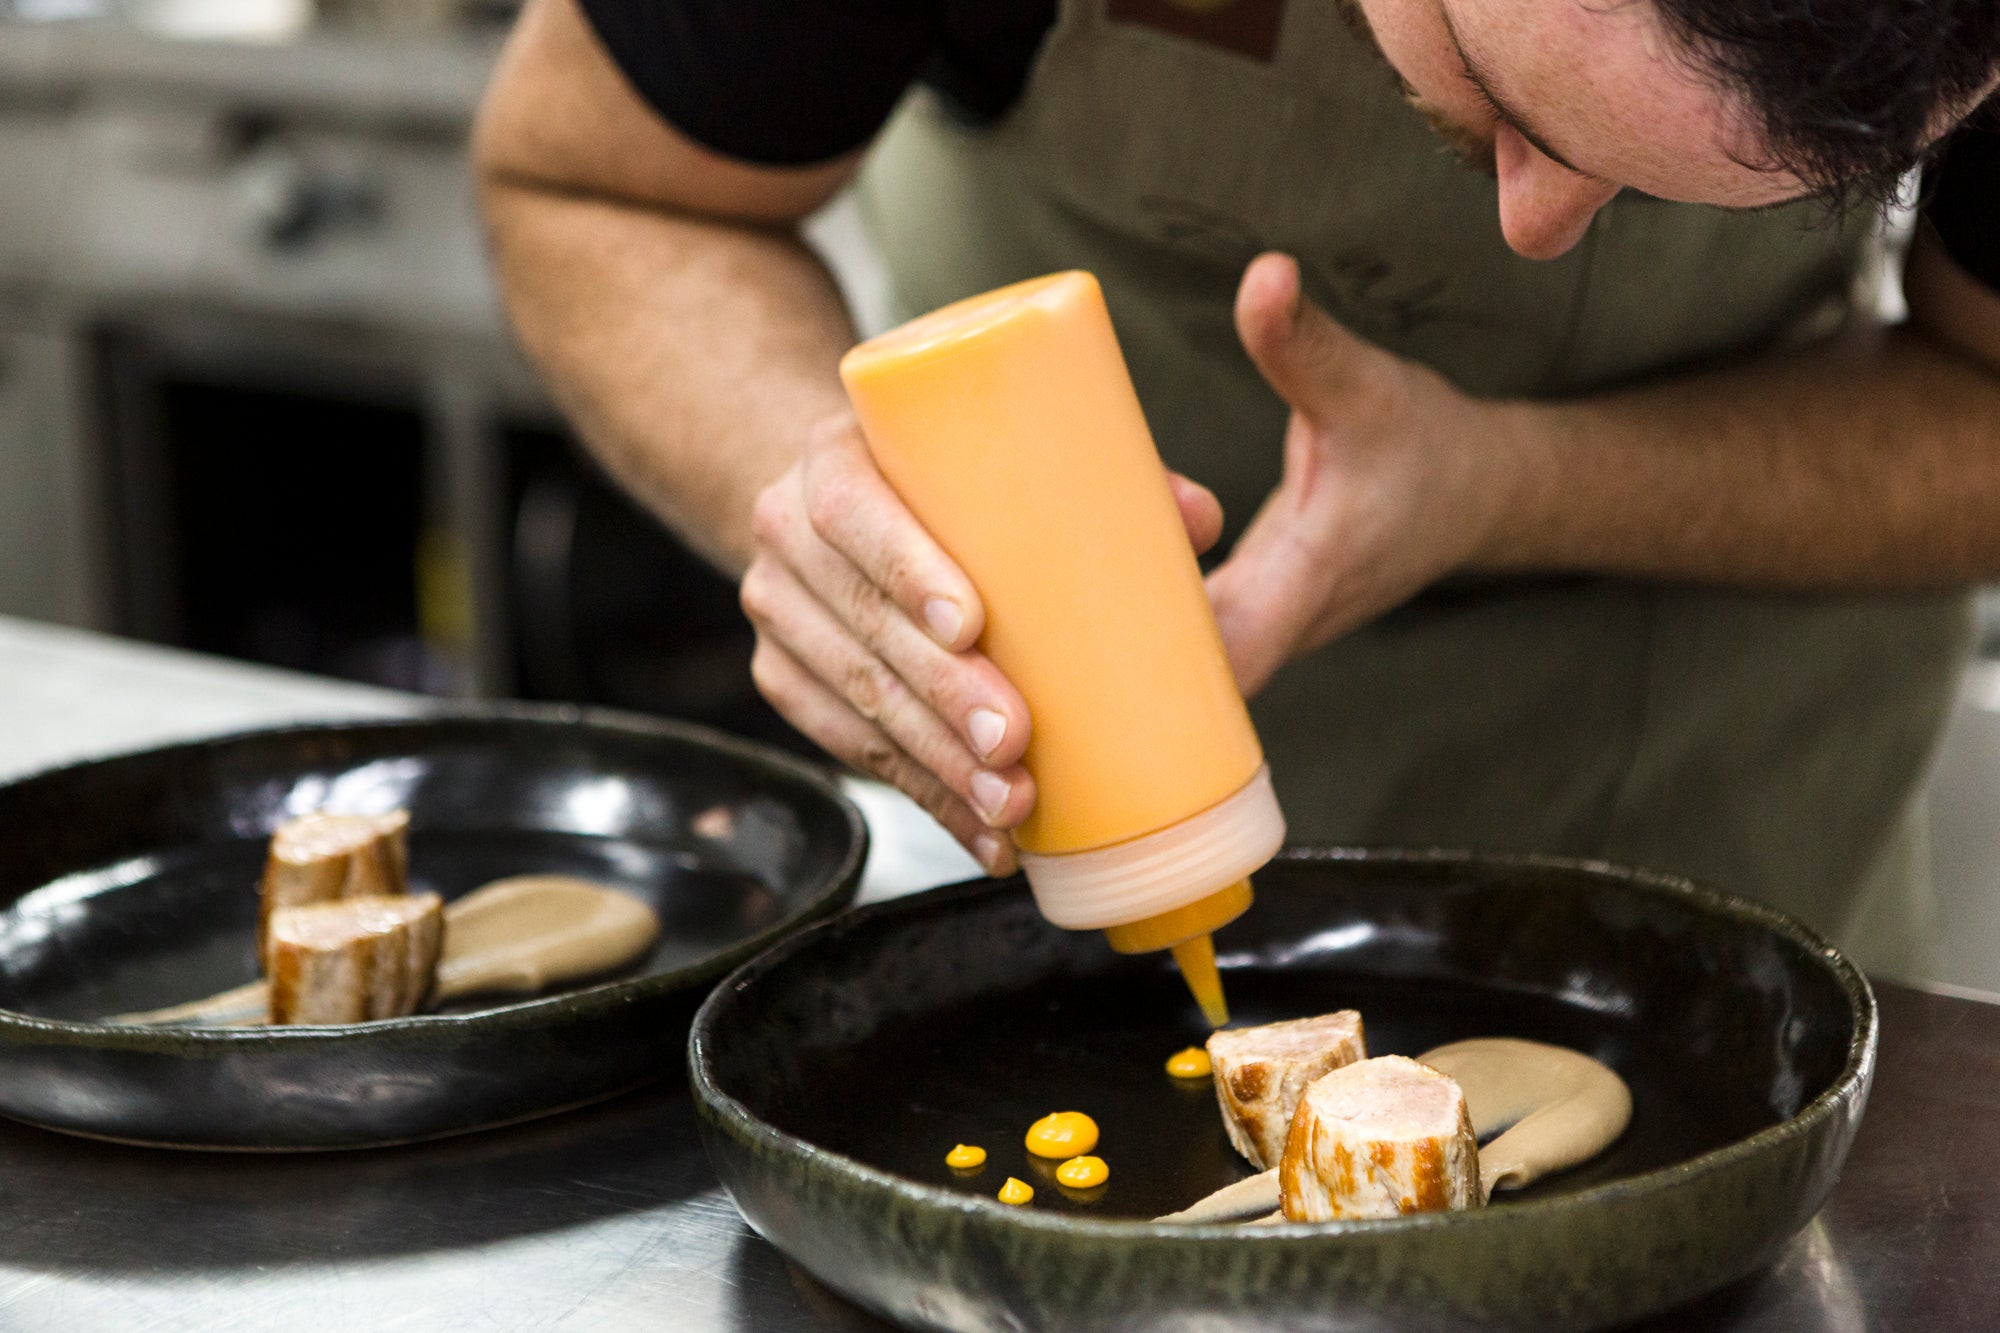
(1157, 872)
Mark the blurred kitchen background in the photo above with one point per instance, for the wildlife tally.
(257, 397)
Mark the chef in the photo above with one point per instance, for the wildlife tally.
(1522, 364)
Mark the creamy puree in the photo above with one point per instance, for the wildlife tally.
(1558, 1108)
(532, 931)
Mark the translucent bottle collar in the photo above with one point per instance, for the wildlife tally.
(1160, 871)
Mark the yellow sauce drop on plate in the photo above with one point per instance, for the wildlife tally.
(1082, 1173)
(1016, 1191)
(1062, 1134)
(1190, 1063)
(965, 1157)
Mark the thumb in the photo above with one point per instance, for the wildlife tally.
(1266, 595)
(1308, 358)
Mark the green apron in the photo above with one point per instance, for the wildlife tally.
(1764, 743)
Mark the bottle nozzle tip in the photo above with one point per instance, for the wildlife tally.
(1196, 959)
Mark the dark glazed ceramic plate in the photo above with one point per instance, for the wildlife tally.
(130, 883)
(834, 1072)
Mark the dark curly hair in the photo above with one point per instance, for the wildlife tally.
(1846, 92)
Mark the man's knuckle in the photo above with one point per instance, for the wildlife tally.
(869, 686)
(897, 571)
(756, 591)
(947, 810)
(879, 757)
(770, 513)
(766, 674)
(941, 682)
(869, 612)
(828, 503)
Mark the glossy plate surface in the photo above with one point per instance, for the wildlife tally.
(834, 1072)
(130, 883)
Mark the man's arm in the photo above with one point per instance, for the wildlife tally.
(1870, 462)
(1948, 304)
(662, 290)
(660, 287)
(1866, 463)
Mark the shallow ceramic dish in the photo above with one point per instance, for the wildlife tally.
(834, 1072)
(130, 883)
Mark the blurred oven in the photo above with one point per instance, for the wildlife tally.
(264, 398)
(282, 499)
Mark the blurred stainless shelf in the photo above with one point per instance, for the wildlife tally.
(413, 81)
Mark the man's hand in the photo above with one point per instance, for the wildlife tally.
(1386, 485)
(865, 641)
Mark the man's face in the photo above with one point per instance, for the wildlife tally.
(1568, 102)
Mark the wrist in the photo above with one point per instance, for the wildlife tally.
(1519, 446)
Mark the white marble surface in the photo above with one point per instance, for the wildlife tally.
(67, 695)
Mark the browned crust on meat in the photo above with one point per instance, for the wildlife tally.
(321, 857)
(1260, 1072)
(1349, 1153)
(1248, 1083)
(354, 959)
(1428, 1179)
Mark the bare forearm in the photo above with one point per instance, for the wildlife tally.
(1868, 464)
(693, 356)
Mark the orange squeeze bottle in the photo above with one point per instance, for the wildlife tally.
(1008, 424)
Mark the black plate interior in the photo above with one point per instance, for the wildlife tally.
(181, 924)
(131, 883)
(982, 1072)
(979, 1022)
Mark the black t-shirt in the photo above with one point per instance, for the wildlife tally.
(792, 82)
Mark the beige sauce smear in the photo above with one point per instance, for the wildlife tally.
(526, 933)
(1558, 1107)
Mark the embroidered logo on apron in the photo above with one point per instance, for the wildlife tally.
(1247, 27)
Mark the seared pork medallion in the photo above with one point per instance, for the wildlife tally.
(1379, 1138)
(321, 857)
(1261, 1072)
(355, 959)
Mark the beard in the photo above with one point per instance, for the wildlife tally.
(1471, 147)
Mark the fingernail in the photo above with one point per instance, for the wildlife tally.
(945, 619)
(987, 848)
(988, 729)
(989, 793)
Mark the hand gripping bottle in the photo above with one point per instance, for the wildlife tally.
(1008, 424)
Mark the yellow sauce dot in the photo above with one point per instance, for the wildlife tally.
(1062, 1134)
(1190, 1063)
(1016, 1191)
(1082, 1173)
(965, 1157)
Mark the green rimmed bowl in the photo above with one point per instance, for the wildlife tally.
(130, 883)
(833, 1072)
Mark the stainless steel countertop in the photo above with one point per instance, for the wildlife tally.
(609, 1218)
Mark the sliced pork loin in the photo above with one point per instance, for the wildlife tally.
(320, 857)
(1261, 1072)
(354, 959)
(1379, 1138)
